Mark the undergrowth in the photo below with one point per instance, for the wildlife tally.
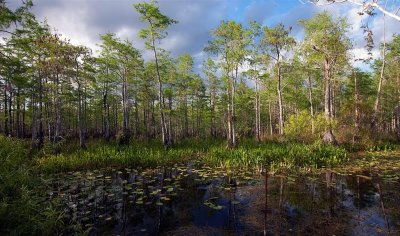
(22, 210)
(213, 152)
(289, 156)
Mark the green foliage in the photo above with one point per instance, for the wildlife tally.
(230, 40)
(321, 124)
(23, 211)
(102, 154)
(214, 152)
(277, 156)
(8, 16)
(299, 127)
(158, 22)
(326, 36)
(277, 39)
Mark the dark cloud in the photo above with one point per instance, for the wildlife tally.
(83, 21)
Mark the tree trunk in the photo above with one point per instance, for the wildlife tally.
(84, 116)
(81, 132)
(125, 110)
(270, 118)
(186, 128)
(356, 110)
(6, 128)
(18, 115)
(106, 113)
(47, 114)
(198, 114)
(332, 99)
(23, 119)
(164, 131)
(229, 115)
(328, 137)
(34, 120)
(10, 117)
(233, 112)
(125, 107)
(280, 102)
(40, 115)
(169, 130)
(257, 104)
(398, 109)
(381, 79)
(57, 132)
(311, 104)
(153, 119)
(212, 114)
(82, 142)
(137, 120)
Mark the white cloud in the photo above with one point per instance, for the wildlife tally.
(83, 21)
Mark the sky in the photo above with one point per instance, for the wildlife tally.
(83, 21)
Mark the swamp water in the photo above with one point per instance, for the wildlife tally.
(198, 200)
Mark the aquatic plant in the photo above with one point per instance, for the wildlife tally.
(278, 155)
(247, 155)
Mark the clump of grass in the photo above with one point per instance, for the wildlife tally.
(384, 147)
(22, 210)
(275, 155)
(214, 152)
(136, 154)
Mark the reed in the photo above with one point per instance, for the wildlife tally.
(214, 152)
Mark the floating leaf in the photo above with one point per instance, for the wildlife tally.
(165, 198)
(217, 207)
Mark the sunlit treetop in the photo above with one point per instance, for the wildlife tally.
(158, 22)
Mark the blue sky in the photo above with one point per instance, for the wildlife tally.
(270, 10)
(83, 21)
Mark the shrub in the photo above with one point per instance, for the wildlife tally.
(22, 209)
(299, 127)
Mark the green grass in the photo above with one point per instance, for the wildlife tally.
(288, 156)
(137, 154)
(213, 152)
(22, 210)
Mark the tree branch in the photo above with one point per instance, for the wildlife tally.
(366, 6)
(375, 4)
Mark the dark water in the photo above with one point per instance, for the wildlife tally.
(187, 200)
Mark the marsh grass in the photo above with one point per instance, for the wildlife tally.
(106, 154)
(276, 156)
(22, 210)
(214, 152)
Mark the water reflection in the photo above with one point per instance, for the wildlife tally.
(196, 199)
